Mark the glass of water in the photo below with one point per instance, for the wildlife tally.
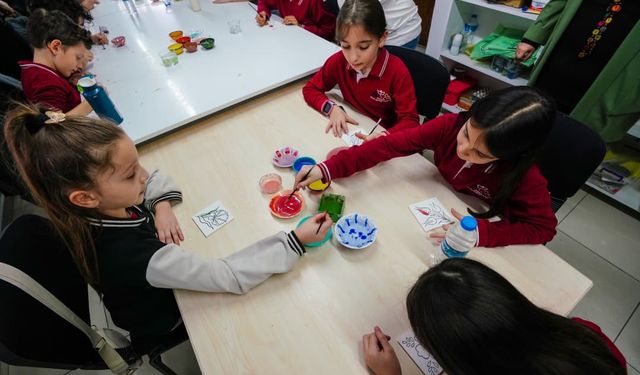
(169, 58)
(234, 27)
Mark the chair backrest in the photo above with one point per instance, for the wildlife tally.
(30, 333)
(10, 182)
(430, 79)
(570, 155)
(332, 6)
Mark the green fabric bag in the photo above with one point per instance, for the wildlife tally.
(503, 41)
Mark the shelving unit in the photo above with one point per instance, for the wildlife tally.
(451, 15)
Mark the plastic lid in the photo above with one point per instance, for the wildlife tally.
(469, 223)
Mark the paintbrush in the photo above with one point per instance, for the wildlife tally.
(374, 128)
(103, 30)
(321, 222)
(258, 13)
(303, 178)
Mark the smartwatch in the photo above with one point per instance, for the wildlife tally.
(327, 107)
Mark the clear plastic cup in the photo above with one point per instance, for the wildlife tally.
(168, 58)
(234, 26)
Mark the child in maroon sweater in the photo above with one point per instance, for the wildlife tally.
(488, 152)
(473, 322)
(311, 15)
(59, 49)
(375, 82)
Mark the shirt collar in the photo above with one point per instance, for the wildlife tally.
(379, 66)
(121, 223)
(26, 64)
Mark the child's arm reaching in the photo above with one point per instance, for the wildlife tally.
(161, 192)
(176, 268)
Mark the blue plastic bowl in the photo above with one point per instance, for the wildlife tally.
(302, 161)
(319, 243)
(355, 231)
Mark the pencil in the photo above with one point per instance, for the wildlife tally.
(374, 128)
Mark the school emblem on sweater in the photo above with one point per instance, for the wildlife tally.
(381, 96)
(482, 191)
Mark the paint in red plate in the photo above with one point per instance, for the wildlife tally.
(285, 208)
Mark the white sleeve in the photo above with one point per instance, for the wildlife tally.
(160, 188)
(176, 268)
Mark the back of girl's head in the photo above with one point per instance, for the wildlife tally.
(366, 13)
(46, 26)
(55, 159)
(474, 321)
(72, 8)
(515, 123)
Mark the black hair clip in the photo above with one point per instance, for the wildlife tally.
(35, 123)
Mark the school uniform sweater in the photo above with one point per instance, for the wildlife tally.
(612, 347)
(387, 92)
(527, 217)
(47, 87)
(311, 14)
(137, 271)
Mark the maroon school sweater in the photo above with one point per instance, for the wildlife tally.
(311, 14)
(527, 217)
(614, 349)
(47, 87)
(387, 92)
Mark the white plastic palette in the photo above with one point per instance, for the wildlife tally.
(285, 156)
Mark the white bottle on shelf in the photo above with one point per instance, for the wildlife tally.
(456, 43)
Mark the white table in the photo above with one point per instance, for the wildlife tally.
(154, 99)
(311, 319)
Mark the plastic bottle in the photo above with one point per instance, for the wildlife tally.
(99, 100)
(460, 238)
(455, 44)
(469, 28)
(195, 5)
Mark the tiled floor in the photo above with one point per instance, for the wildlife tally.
(594, 237)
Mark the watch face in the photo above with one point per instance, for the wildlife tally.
(327, 107)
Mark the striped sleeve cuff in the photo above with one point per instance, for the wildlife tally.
(170, 196)
(326, 175)
(295, 244)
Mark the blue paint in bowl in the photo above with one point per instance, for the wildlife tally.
(302, 161)
(319, 243)
(355, 231)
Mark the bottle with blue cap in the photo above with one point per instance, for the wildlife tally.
(460, 238)
(99, 100)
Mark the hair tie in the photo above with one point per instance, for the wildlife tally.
(35, 123)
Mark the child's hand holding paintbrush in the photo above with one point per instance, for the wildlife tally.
(315, 229)
(307, 175)
(261, 17)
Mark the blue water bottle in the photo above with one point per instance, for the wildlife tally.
(99, 100)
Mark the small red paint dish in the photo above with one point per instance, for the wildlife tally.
(119, 41)
(183, 40)
(285, 208)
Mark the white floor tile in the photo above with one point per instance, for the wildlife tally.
(182, 360)
(569, 205)
(614, 295)
(17, 370)
(632, 371)
(629, 340)
(612, 234)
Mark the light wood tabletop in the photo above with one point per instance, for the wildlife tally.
(311, 320)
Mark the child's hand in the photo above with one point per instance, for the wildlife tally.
(439, 236)
(306, 232)
(167, 224)
(261, 18)
(373, 136)
(315, 175)
(338, 122)
(379, 355)
(290, 20)
(100, 38)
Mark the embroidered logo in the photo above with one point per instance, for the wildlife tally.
(481, 191)
(381, 96)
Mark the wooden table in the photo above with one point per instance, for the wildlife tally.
(154, 99)
(311, 320)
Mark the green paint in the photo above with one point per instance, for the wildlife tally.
(332, 204)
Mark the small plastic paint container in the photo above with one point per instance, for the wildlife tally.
(208, 43)
(191, 47)
(319, 243)
(119, 41)
(284, 207)
(270, 183)
(176, 48)
(168, 58)
(335, 151)
(319, 186)
(175, 34)
(195, 33)
(301, 162)
(183, 39)
(355, 231)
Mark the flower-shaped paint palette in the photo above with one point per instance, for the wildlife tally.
(285, 156)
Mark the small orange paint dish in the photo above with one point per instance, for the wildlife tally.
(176, 34)
(284, 207)
(270, 183)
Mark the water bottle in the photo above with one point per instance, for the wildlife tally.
(99, 100)
(469, 28)
(460, 238)
(455, 44)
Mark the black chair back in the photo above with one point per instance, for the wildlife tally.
(332, 6)
(30, 333)
(570, 155)
(10, 182)
(430, 79)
